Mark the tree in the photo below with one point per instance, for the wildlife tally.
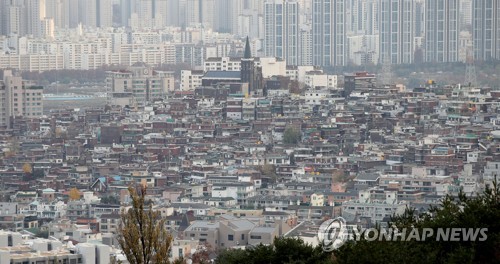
(481, 211)
(341, 176)
(291, 136)
(142, 234)
(74, 194)
(282, 250)
(202, 254)
(269, 170)
(27, 169)
(13, 148)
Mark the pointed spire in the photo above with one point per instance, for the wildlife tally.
(248, 52)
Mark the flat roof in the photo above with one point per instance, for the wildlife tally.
(223, 75)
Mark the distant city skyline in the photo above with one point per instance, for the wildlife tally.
(302, 32)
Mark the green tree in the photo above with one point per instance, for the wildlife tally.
(142, 234)
(282, 251)
(481, 211)
(291, 136)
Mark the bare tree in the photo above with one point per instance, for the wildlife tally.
(142, 234)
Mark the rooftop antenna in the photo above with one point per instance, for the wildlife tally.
(470, 69)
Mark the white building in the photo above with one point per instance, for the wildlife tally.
(141, 84)
(314, 97)
(18, 248)
(272, 66)
(491, 171)
(222, 64)
(363, 49)
(19, 98)
(298, 73)
(372, 205)
(319, 80)
(53, 210)
(251, 24)
(191, 79)
(239, 191)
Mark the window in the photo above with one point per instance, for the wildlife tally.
(230, 237)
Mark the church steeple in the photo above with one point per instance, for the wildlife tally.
(248, 52)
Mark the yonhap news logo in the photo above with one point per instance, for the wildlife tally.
(333, 233)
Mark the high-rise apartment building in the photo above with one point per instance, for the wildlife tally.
(126, 9)
(192, 14)
(57, 10)
(208, 13)
(369, 17)
(397, 31)
(329, 41)
(15, 20)
(71, 8)
(12, 17)
(3, 12)
(465, 13)
(250, 23)
(442, 29)
(281, 27)
(104, 13)
(226, 15)
(160, 11)
(35, 12)
(486, 29)
(19, 98)
(306, 45)
(88, 12)
(47, 28)
(420, 18)
(70, 13)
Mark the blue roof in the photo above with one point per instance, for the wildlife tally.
(223, 75)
